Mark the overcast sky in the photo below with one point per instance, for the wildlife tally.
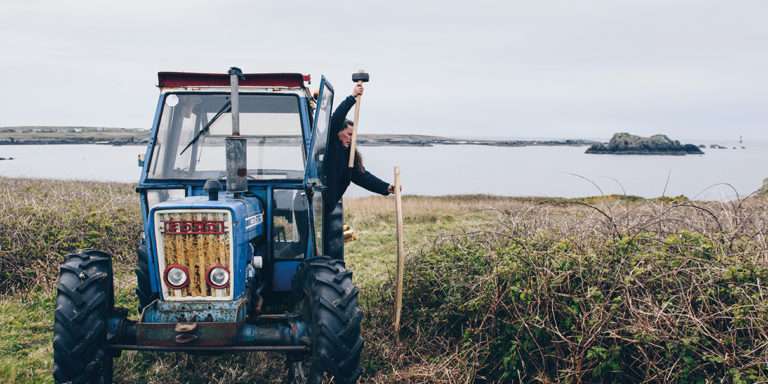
(693, 69)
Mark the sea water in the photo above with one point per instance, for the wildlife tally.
(465, 169)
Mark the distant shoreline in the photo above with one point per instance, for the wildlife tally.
(428, 141)
(124, 136)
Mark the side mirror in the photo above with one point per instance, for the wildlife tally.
(141, 160)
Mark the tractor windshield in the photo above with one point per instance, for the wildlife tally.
(270, 122)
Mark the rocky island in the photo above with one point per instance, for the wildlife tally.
(628, 144)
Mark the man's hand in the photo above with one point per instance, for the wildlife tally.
(391, 188)
(357, 90)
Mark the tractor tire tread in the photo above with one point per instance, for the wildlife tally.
(341, 276)
(335, 326)
(330, 284)
(344, 301)
(83, 304)
(91, 280)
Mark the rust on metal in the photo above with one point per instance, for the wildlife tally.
(208, 334)
(170, 311)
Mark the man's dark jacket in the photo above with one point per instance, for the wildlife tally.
(338, 174)
(337, 179)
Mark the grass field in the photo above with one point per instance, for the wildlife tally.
(608, 289)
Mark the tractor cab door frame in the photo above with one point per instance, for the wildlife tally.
(315, 177)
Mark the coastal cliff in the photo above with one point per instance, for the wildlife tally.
(628, 144)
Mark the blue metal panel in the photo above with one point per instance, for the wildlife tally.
(154, 274)
(283, 274)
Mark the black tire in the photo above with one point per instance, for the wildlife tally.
(329, 306)
(84, 303)
(143, 286)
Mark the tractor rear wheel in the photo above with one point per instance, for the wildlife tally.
(143, 287)
(84, 302)
(329, 306)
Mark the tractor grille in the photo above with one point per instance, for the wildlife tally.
(197, 240)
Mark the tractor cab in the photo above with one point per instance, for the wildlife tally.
(231, 195)
(285, 139)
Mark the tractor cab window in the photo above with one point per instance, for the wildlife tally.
(270, 122)
(290, 224)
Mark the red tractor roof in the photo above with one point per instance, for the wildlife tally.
(186, 79)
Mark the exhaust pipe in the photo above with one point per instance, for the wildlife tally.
(237, 161)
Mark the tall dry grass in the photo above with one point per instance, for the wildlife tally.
(41, 220)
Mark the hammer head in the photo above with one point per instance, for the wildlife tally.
(237, 72)
(361, 76)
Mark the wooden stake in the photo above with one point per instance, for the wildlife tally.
(400, 255)
(353, 146)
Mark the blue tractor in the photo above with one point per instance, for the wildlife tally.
(230, 260)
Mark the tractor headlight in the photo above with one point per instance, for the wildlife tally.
(218, 277)
(176, 276)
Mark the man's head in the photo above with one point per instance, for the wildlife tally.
(345, 134)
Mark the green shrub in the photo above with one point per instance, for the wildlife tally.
(529, 304)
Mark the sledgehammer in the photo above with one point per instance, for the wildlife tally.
(359, 77)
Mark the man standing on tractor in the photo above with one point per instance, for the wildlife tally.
(339, 175)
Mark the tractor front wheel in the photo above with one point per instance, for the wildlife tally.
(329, 306)
(84, 302)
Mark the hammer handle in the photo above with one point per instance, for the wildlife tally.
(353, 145)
